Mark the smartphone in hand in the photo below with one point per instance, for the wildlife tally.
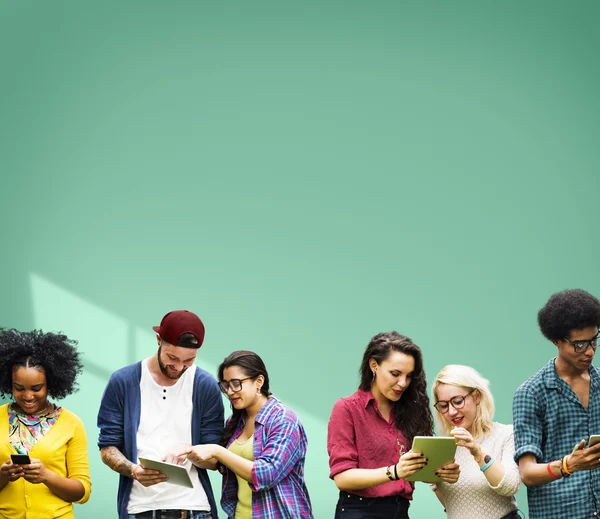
(594, 439)
(20, 459)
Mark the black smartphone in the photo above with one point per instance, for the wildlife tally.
(20, 459)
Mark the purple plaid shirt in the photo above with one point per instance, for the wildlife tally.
(278, 488)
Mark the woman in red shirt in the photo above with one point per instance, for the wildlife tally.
(370, 432)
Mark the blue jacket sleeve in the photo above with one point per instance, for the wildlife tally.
(209, 414)
(111, 414)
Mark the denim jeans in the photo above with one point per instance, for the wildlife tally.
(160, 514)
(351, 506)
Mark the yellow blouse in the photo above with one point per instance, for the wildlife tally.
(243, 509)
(62, 450)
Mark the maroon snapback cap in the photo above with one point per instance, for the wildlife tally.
(178, 322)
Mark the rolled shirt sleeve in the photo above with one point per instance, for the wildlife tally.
(341, 440)
(285, 445)
(528, 426)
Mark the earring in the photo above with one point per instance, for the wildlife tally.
(373, 376)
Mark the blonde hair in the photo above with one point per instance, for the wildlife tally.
(469, 379)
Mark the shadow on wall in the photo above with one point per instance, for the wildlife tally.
(109, 342)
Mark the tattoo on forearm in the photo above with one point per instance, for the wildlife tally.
(116, 460)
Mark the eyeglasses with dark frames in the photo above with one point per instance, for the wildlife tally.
(235, 384)
(458, 402)
(582, 346)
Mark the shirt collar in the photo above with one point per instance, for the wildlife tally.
(552, 380)
(550, 376)
(365, 397)
(266, 410)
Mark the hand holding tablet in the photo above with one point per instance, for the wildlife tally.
(439, 451)
(166, 472)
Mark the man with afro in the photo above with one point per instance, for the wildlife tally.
(557, 410)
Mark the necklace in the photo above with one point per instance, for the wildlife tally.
(49, 407)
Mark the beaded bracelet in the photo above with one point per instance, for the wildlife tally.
(487, 465)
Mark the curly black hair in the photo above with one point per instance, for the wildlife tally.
(566, 311)
(412, 414)
(53, 352)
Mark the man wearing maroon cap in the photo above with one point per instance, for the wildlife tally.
(148, 410)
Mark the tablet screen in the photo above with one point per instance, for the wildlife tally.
(439, 451)
(177, 474)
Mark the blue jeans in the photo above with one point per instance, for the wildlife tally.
(159, 514)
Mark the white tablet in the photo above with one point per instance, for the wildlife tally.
(439, 451)
(177, 474)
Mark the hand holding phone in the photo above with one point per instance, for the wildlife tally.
(594, 439)
(20, 459)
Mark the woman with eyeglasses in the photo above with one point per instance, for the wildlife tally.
(370, 432)
(43, 447)
(489, 477)
(262, 452)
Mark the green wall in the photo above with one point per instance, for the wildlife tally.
(303, 176)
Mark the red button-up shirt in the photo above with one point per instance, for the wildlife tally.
(359, 437)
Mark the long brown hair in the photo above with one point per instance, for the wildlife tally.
(411, 413)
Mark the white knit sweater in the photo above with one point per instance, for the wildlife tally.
(472, 497)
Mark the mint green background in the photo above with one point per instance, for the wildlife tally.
(302, 176)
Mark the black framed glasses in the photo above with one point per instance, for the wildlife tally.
(235, 384)
(458, 402)
(582, 346)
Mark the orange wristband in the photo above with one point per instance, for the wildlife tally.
(564, 465)
(550, 471)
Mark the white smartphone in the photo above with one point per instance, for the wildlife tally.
(594, 439)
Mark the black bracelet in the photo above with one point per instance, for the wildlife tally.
(562, 471)
(396, 472)
(388, 473)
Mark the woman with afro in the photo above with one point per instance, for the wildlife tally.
(33, 367)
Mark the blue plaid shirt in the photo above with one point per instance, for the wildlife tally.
(278, 488)
(549, 420)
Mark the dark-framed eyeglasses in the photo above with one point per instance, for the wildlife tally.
(235, 384)
(582, 346)
(458, 402)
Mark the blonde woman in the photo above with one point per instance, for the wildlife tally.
(489, 477)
